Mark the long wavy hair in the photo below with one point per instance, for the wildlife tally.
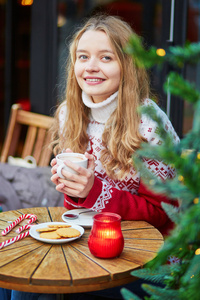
(121, 136)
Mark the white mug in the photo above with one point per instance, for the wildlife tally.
(76, 158)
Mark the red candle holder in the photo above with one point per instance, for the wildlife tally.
(106, 239)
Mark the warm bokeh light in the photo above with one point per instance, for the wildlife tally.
(180, 178)
(26, 2)
(197, 252)
(160, 52)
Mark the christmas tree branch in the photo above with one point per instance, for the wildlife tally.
(183, 279)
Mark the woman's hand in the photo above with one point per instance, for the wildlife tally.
(78, 185)
(54, 166)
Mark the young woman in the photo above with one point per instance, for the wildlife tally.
(99, 116)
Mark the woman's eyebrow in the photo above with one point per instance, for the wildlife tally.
(103, 50)
(80, 50)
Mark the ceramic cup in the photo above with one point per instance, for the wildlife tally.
(76, 158)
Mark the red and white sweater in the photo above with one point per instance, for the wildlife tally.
(129, 198)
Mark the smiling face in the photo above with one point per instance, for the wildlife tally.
(96, 67)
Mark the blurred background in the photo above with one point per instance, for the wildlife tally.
(34, 35)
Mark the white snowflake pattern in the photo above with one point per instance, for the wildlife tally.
(103, 198)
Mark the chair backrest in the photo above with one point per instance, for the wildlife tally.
(37, 137)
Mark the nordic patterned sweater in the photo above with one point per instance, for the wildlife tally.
(129, 198)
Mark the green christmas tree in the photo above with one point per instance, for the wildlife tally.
(181, 280)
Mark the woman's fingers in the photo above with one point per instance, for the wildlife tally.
(55, 178)
(91, 161)
(75, 185)
(60, 186)
(53, 162)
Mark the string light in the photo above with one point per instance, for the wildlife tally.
(180, 178)
(198, 156)
(26, 2)
(196, 200)
(160, 52)
(197, 252)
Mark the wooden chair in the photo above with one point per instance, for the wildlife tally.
(36, 136)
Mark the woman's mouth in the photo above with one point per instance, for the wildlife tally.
(94, 80)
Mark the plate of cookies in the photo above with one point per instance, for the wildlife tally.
(56, 232)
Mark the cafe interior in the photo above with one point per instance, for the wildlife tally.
(34, 37)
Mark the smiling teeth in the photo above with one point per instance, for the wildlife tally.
(93, 79)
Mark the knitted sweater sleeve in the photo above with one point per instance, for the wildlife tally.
(145, 205)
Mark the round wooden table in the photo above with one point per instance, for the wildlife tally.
(32, 266)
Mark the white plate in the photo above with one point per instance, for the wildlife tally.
(85, 219)
(36, 234)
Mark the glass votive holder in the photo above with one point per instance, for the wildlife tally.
(106, 239)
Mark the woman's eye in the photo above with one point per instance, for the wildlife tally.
(106, 58)
(82, 57)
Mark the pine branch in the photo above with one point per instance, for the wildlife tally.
(192, 140)
(187, 166)
(184, 279)
(176, 56)
(151, 112)
(176, 85)
(188, 54)
(172, 188)
(141, 57)
(196, 122)
(172, 212)
(190, 290)
(156, 276)
(127, 295)
(160, 293)
(180, 241)
(193, 271)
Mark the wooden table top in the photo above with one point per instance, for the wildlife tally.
(32, 266)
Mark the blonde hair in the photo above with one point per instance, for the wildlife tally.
(121, 136)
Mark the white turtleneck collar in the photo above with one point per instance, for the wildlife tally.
(101, 111)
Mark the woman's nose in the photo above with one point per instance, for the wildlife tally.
(92, 66)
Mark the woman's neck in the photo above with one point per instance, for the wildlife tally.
(101, 111)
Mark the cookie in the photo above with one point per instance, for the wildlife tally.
(49, 235)
(68, 232)
(59, 226)
(45, 229)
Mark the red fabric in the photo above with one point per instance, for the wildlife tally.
(145, 206)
